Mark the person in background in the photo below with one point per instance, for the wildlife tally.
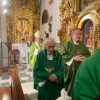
(48, 72)
(35, 48)
(73, 53)
(28, 45)
(87, 80)
(22, 50)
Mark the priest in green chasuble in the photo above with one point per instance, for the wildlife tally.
(73, 53)
(35, 48)
(87, 80)
(48, 72)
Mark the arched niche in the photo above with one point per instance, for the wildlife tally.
(88, 22)
(45, 16)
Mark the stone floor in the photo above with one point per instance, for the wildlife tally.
(26, 79)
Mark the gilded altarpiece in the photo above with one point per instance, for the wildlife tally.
(24, 19)
(68, 18)
(72, 12)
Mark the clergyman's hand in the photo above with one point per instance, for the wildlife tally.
(82, 58)
(52, 78)
(79, 58)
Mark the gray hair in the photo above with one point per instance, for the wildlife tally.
(37, 33)
(49, 40)
(72, 30)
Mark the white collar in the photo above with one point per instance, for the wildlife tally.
(50, 57)
(36, 43)
(76, 43)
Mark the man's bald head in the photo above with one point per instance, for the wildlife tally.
(76, 35)
(50, 45)
(49, 41)
(37, 36)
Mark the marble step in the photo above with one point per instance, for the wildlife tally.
(28, 89)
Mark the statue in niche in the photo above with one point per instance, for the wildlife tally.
(22, 26)
(88, 34)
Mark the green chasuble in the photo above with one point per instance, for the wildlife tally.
(33, 53)
(68, 51)
(87, 81)
(28, 44)
(43, 69)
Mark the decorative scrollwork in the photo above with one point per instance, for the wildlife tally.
(23, 2)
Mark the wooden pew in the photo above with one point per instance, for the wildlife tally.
(13, 92)
(5, 93)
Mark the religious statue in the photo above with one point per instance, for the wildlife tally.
(22, 25)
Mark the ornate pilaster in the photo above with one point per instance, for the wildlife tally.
(97, 37)
(68, 19)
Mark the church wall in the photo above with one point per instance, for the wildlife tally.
(0, 28)
(53, 10)
(3, 36)
(3, 29)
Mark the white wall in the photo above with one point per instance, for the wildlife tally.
(3, 28)
(3, 37)
(53, 10)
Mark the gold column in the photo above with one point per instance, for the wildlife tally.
(97, 37)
